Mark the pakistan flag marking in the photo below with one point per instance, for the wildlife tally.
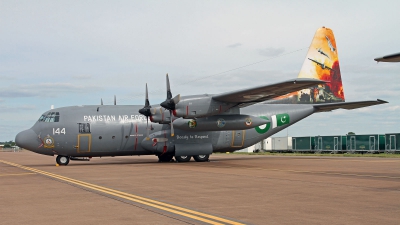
(263, 128)
(280, 120)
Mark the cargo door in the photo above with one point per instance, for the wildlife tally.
(335, 143)
(352, 143)
(84, 143)
(294, 147)
(371, 143)
(238, 138)
(319, 143)
(392, 143)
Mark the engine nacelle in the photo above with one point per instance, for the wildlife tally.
(199, 106)
(159, 143)
(220, 122)
(160, 115)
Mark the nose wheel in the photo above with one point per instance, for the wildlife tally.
(62, 160)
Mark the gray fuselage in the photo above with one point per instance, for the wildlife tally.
(116, 130)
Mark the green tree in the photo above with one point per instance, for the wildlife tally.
(7, 146)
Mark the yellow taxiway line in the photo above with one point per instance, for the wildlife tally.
(203, 217)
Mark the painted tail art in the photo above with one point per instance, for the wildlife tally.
(321, 63)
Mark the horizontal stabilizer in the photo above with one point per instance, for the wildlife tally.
(346, 105)
(389, 58)
(267, 92)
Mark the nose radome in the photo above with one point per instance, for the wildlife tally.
(26, 139)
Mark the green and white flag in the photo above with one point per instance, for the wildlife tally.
(280, 120)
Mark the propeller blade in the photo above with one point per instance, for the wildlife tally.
(170, 102)
(169, 94)
(147, 137)
(101, 101)
(115, 100)
(146, 111)
(147, 102)
(176, 99)
(172, 125)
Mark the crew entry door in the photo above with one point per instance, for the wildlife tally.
(84, 143)
(84, 138)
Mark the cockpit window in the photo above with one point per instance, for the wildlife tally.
(50, 117)
(42, 118)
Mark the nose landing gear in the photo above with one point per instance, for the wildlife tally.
(62, 160)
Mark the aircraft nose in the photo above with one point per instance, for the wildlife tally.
(26, 139)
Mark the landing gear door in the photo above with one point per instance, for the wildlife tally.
(84, 143)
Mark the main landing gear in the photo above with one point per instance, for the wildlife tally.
(183, 158)
(62, 160)
(201, 158)
(165, 158)
(197, 158)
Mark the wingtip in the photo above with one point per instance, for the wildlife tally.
(382, 101)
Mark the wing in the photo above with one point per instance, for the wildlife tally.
(246, 97)
(346, 105)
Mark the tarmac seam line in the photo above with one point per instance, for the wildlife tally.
(16, 174)
(313, 172)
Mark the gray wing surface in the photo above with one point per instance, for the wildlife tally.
(249, 96)
(325, 107)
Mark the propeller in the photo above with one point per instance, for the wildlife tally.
(101, 101)
(146, 111)
(170, 104)
(115, 100)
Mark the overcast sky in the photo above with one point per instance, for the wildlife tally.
(65, 53)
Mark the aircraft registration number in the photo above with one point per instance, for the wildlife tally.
(58, 131)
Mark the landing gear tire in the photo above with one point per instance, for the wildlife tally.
(62, 160)
(165, 158)
(183, 158)
(201, 158)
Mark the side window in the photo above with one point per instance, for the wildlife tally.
(57, 118)
(84, 128)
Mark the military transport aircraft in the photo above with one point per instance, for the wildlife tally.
(196, 125)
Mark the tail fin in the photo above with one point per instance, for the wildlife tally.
(321, 63)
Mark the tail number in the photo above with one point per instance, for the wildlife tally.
(58, 131)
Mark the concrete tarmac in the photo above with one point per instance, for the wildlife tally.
(231, 189)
